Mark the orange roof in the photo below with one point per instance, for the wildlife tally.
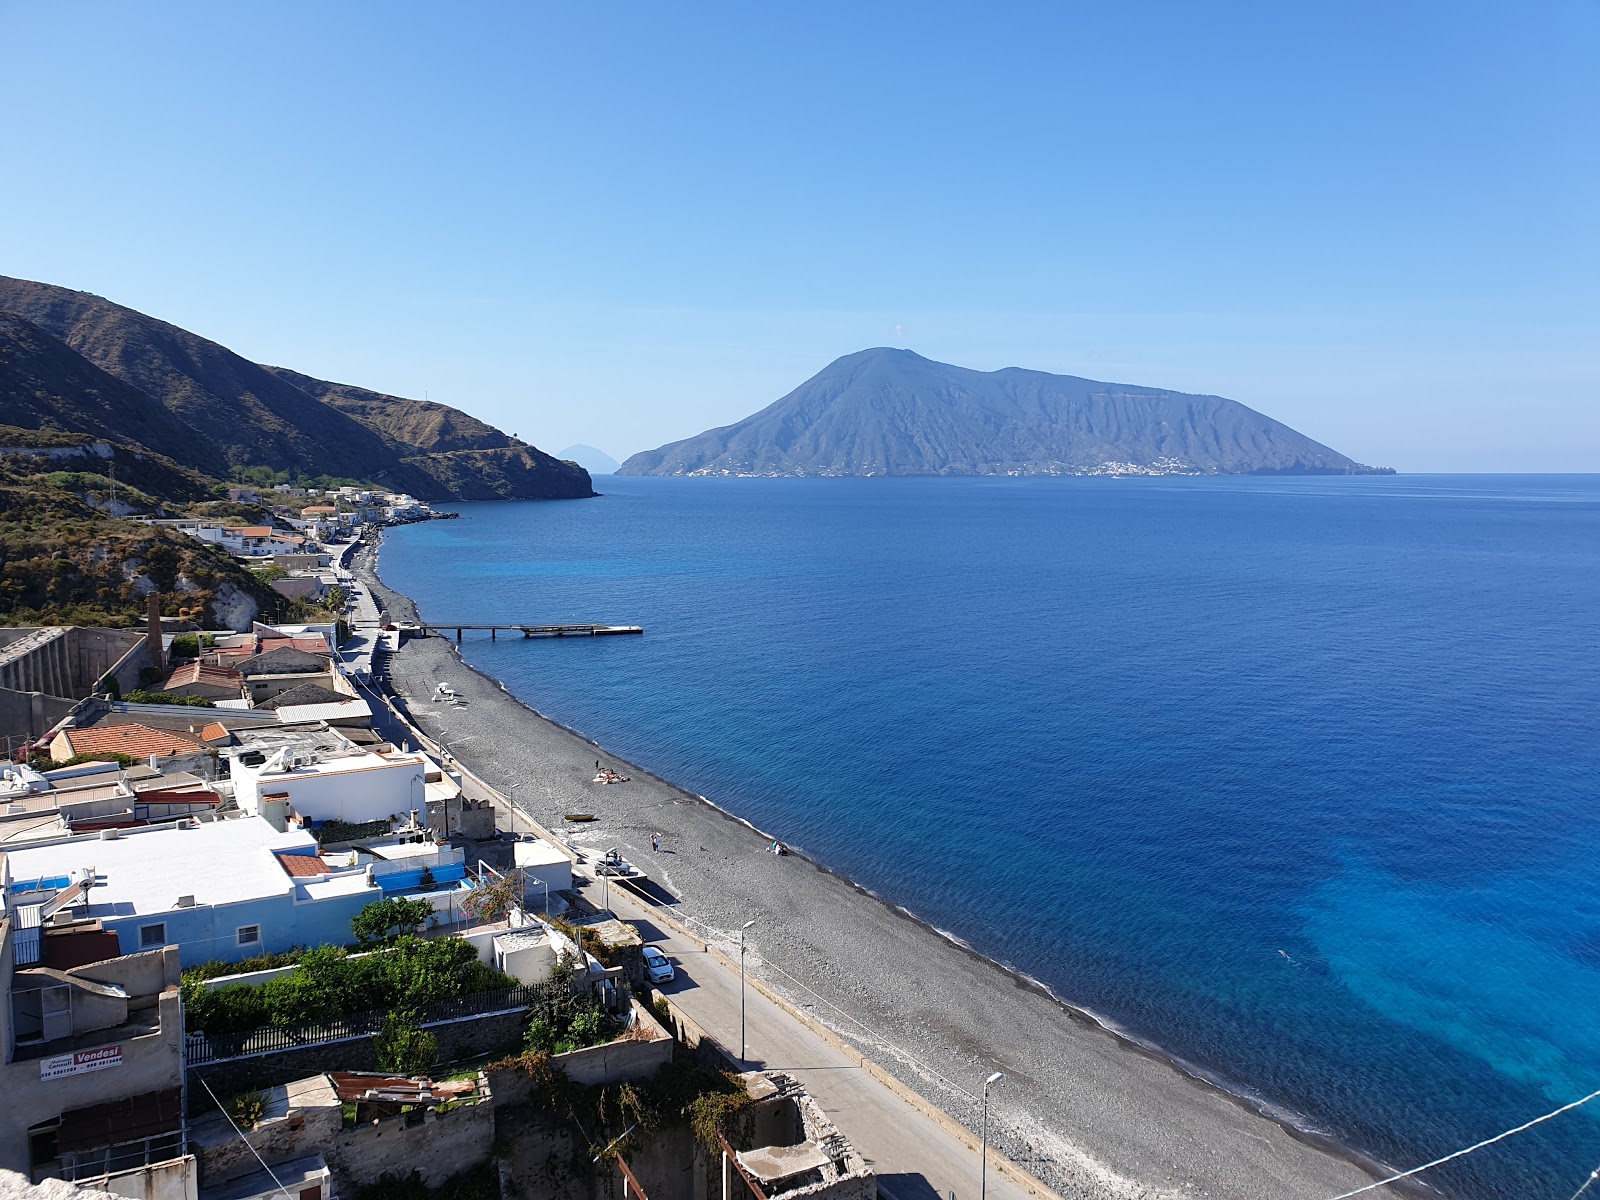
(303, 865)
(255, 531)
(196, 672)
(319, 508)
(215, 732)
(137, 741)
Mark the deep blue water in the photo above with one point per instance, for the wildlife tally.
(1136, 737)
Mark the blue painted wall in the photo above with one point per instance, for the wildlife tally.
(208, 932)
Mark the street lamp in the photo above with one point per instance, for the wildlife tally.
(546, 886)
(742, 929)
(983, 1170)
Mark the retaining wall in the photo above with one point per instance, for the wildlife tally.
(436, 1145)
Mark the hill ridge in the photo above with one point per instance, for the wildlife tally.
(890, 411)
(234, 413)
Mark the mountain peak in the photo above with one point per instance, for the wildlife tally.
(890, 411)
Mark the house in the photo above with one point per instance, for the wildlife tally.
(243, 495)
(252, 541)
(796, 1150)
(306, 785)
(338, 706)
(35, 805)
(274, 671)
(205, 681)
(300, 587)
(91, 1054)
(132, 739)
(221, 889)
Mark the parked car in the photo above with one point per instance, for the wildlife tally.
(612, 863)
(658, 966)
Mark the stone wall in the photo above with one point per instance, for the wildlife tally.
(458, 1040)
(635, 1057)
(435, 1145)
(24, 714)
(301, 1118)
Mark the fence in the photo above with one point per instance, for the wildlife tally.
(202, 1048)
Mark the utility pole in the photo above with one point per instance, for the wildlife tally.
(742, 929)
(983, 1170)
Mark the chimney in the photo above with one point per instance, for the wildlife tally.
(152, 635)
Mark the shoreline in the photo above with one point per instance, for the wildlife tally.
(1299, 1161)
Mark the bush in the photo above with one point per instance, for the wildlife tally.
(342, 831)
(216, 968)
(78, 760)
(188, 645)
(383, 921)
(403, 1046)
(248, 1108)
(140, 696)
(410, 974)
(561, 1019)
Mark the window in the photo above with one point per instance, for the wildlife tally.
(151, 936)
(249, 935)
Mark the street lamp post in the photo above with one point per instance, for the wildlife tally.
(742, 929)
(983, 1169)
(546, 886)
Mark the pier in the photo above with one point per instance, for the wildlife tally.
(442, 628)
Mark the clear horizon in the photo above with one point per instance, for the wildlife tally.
(623, 227)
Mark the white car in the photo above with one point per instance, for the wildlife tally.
(657, 966)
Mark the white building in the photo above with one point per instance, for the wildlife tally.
(294, 785)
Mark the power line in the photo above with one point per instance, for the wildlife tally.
(1499, 1137)
(1584, 1187)
(283, 1191)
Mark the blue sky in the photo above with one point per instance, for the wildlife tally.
(621, 224)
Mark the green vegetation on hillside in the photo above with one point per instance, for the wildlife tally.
(64, 562)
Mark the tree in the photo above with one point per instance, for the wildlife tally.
(495, 895)
(383, 921)
(403, 1046)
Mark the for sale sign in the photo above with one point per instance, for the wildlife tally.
(80, 1062)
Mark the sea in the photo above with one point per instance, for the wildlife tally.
(1297, 778)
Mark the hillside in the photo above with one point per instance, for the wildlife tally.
(65, 561)
(892, 412)
(410, 426)
(226, 412)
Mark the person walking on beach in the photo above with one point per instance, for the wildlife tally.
(655, 842)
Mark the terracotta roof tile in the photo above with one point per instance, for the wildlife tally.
(138, 741)
(197, 672)
(303, 866)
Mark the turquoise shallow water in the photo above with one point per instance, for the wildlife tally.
(1295, 778)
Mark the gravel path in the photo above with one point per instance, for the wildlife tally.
(1086, 1111)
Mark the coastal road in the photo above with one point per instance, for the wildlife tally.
(916, 1156)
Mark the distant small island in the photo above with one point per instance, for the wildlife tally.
(893, 412)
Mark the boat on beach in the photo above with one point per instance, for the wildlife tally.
(579, 817)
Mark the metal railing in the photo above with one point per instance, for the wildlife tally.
(202, 1048)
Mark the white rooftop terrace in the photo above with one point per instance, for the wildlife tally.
(146, 870)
